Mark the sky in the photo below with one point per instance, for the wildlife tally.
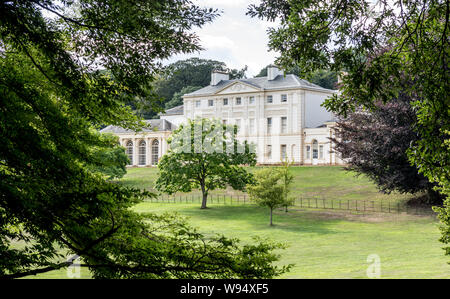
(233, 38)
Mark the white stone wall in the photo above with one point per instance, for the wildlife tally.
(295, 109)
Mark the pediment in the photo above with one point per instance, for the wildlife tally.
(237, 87)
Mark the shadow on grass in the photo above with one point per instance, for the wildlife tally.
(257, 218)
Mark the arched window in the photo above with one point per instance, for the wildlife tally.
(129, 151)
(142, 152)
(315, 148)
(155, 152)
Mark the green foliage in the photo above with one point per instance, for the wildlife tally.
(54, 198)
(271, 188)
(177, 98)
(376, 50)
(189, 73)
(204, 154)
(110, 159)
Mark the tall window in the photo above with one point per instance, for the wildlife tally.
(129, 151)
(225, 101)
(238, 101)
(315, 147)
(283, 124)
(321, 151)
(269, 125)
(308, 152)
(269, 99)
(155, 152)
(283, 152)
(197, 103)
(269, 151)
(284, 98)
(251, 100)
(210, 103)
(142, 152)
(251, 126)
(293, 153)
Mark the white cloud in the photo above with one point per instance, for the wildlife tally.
(234, 37)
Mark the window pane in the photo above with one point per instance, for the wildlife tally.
(269, 99)
(129, 151)
(283, 124)
(284, 98)
(142, 152)
(283, 152)
(155, 152)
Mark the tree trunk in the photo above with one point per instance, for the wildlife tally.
(271, 217)
(204, 197)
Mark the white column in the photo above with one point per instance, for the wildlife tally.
(135, 151)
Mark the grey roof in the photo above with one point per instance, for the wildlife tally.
(153, 125)
(177, 110)
(280, 82)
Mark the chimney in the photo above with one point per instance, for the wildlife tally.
(219, 75)
(272, 72)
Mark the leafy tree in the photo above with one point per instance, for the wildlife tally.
(324, 78)
(287, 178)
(53, 97)
(190, 72)
(374, 143)
(376, 43)
(109, 159)
(204, 154)
(177, 98)
(270, 189)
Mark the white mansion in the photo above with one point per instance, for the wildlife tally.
(280, 114)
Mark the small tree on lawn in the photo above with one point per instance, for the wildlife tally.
(204, 154)
(287, 178)
(269, 189)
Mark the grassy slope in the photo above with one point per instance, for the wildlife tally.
(329, 245)
(323, 181)
(321, 244)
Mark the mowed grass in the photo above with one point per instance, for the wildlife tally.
(328, 244)
(329, 182)
(321, 243)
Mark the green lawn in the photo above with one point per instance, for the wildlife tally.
(325, 244)
(321, 243)
(330, 182)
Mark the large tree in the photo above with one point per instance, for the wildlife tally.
(374, 143)
(53, 200)
(204, 154)
(190, 72)
(376, 43)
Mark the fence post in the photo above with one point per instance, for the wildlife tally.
(356, 203)
(364, 206)
(348, 204)
(316, 203)
(398, 208)
(389, 206)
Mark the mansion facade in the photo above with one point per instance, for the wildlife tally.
(280, 114)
